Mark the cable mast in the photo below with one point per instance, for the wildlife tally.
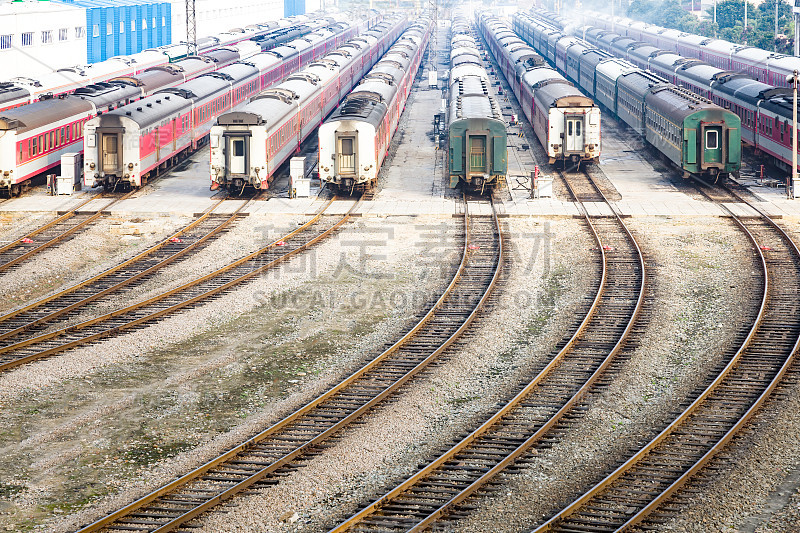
(191, 28)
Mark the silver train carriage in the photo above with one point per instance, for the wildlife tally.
(354, 141)
(249, 145)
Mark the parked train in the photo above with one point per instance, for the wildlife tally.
(21, 90)
(248, 145)
(697, 135)
(354, 141)
(765, 66)
(34, 137)
(765, 112)
(566, 122)
(477, 138)
(129, 145)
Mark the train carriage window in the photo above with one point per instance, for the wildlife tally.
(712, 140)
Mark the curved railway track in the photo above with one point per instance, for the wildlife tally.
(70, 301)
(442, 487)
(277, 449)
(54, 232)
(13, 354)
(637, 489)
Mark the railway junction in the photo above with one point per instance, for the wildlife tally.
(613, 350)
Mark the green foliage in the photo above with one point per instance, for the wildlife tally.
(760, 29)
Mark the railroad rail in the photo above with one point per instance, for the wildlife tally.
(42, 313)
(635, 491)
(51, 233)
(441, 487)
(274, 450)
(166, 303)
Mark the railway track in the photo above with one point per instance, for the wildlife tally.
(56, 231)
(636, 492)
(277, 449)
(15, 353)
(442, 487)
(72, 300)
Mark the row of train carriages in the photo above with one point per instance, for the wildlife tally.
(129, 145)
(756, 94)
(695, 134)
(477, 136)
(363, 86)
(354, 141)
(564, 120)
(351, 81)
(175, 100)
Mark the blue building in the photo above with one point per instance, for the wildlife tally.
(294, 7)
(124, 27)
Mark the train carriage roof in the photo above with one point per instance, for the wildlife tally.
(740, 86)
(579, 48)
(721, 47)
(786, 63)
(701, 73)
(561, 94)
(780, 106)
(10, 92)
(261, 111)
(615, 67)
(474, 106)
(541, 76)
(223, 55)
(471, 85)
(465, 51)
(593, 57)
(640, 82)
(467, 69)
(566, 41)
(677, 104)
(642, 51)
(668, 61)
(33, 116)
(200, 87)
(377, 90)
(147, 112)
(753, 54)
(153, 79)
(284, 52)
(360, 107)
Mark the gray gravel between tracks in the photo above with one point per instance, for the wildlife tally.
(534, 307)
(694, 267)
(102, 245)
(755, 481)
(110, 421)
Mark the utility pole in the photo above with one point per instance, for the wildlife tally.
(744, 32)
(191, 28)
(775, 40)
(794, 192)
(796, 12)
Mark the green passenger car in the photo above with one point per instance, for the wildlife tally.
(478, 155)
(700, 137)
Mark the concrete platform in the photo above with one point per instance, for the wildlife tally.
(413, 182)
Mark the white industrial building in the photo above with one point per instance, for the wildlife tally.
(37, 37)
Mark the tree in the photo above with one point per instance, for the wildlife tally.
(730, 13)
